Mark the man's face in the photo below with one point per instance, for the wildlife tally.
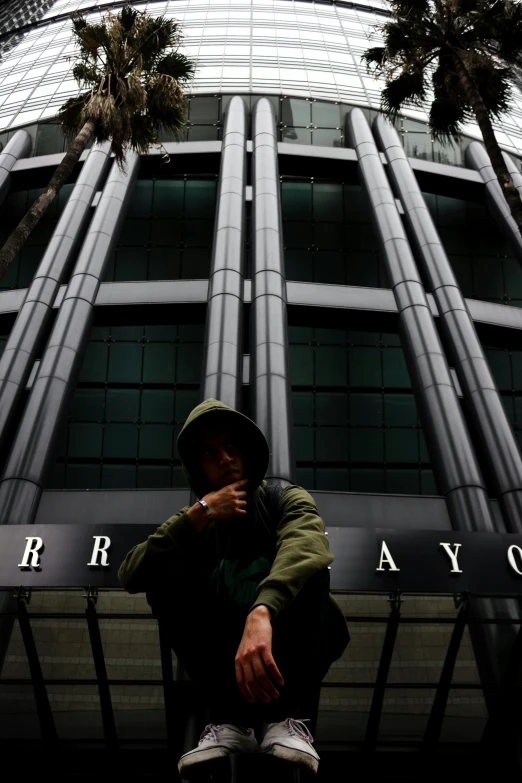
(222, 461)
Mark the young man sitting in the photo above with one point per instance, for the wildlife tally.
(242, 584)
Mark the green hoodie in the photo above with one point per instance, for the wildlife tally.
(243, 562)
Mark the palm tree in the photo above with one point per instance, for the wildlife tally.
(470, 49)
(132, 76)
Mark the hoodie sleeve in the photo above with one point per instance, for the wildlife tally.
(145, 561)
(302, 549)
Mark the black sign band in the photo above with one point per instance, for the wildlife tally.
(46, 556)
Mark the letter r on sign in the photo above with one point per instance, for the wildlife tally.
(100, 550)
(32, 549)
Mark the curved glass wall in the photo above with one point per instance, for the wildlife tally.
(281, 47)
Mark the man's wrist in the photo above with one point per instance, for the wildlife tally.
(198, 516)
(262, 610)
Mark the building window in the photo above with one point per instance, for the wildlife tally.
(355, 417)
(24, 266)
(480, 256)
(135, 389)
(506, 368)
(328, 234)
(167, 233)
(303, 121)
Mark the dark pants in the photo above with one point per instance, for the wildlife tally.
(206, 648)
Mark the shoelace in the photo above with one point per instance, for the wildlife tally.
(210, 732)
(297, 727)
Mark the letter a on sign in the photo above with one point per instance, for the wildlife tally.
(32, 548)
(386, 558)
(100, 549)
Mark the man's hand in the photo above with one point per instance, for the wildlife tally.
(228, 502)
(256, 670)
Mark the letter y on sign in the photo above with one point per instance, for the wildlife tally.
(453, 557)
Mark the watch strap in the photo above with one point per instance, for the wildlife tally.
(204, 504)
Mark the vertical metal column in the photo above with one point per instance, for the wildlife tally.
(477, 158)
(491, 429)
(34, 447)
(270, 377)
(453, 460)
(222, 374)
(19, 146)
(33, 320)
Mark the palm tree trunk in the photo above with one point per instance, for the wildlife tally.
(32, 217)
(474, 99)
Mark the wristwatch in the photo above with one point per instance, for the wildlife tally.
(204, 504)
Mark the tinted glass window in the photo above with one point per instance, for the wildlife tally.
(167, 234)
(328, 234)
(24, 266)
(136, 387)
(480, 256)
(355, 418)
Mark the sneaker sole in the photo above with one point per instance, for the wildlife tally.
(200, 764)
(297, 758)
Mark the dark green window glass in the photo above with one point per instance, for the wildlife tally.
(168, 231)
(200, 198)
(326, 115)
(326, 227)
(49, 139)
(479, 254)
(23, 268)
(125, 360)
(295, 111)
(353, 430)
(88, 405)
(136, 387)
(159, 363)
(156, 441)
(118, 476)
(327, 138)
(204, 110)
(365, 367)
(168, 198)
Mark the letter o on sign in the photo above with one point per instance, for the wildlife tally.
(511, 558)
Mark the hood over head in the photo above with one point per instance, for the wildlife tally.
(216, 415)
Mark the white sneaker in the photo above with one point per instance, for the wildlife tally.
(218, 741)
(291, 740)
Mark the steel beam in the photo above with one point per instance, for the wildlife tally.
(269, 366)
(222, 374)
(33, 451)
(18, 146)
(33, 321)
(492, 432)
(452, 456)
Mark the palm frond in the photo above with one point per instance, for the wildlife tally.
(176, 65)
(405, 87)
(131, 64)
(376, 57)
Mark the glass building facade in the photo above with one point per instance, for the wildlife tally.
(387, 300)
